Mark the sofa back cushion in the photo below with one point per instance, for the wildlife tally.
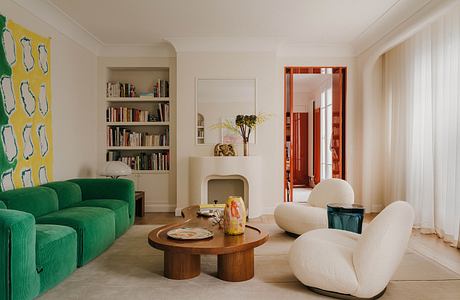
(332, 190)
(381, 248)
(37, 201)
(68, 193)
(2, 205)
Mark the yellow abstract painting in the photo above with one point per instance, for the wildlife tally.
(26, 154)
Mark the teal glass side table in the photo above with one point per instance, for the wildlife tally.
(345, 216)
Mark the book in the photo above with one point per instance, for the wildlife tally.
(124, 137)
(143, 161)
(161, 88)
(208, 206)
(120, 89)
(126, 114)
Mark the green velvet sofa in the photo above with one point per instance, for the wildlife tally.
(46, 232)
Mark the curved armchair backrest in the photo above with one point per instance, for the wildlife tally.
(381, 248)
(332, 190)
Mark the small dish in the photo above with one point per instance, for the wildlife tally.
(189, 233)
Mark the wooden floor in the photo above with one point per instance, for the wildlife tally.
(428, 245)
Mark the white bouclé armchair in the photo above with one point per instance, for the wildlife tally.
(298, 218)
(341, 263)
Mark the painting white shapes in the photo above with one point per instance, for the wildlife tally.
(42, 176)
(7, 181)
(42, 137)
(27, 57)
(43, 58)
(9, 46)
(26, 176)
(9, 102)
(43, 100)
(28, 99)
(27, 140)
(9, 142)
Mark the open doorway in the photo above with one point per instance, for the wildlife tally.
(314, 128)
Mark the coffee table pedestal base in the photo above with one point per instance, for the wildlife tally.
(181, 266)
(238, 266)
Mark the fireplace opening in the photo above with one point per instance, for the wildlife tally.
(220, 189)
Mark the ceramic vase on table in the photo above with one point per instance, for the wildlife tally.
(234, 216)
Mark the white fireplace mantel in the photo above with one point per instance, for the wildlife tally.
(248, 168)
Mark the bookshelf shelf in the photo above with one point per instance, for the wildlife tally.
(137, 123)
(139, 148)
(150, 172)
(137, 99)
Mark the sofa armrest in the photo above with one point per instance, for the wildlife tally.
(106, 188)
(18, 275)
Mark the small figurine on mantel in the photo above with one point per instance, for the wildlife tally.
(224, 150)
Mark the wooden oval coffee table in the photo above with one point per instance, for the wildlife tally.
(235, 254)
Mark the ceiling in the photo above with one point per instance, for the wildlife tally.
(145, 22)
(310, 83)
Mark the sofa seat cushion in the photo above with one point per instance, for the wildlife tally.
(68, 192)
(105, 188)
(299, 218)
(95, 227)
(119, 207)
(37, 201)
(323, 258)
(56, 254)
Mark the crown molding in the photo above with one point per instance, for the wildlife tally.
(162, 49)
(52, 15)
(418, 14)
(274, 45)
(302, 49)
(224, 44)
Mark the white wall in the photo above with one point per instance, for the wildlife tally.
(269, 144)
(73, 80)
(268, 69)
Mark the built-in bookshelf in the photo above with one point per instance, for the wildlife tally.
(136, 119)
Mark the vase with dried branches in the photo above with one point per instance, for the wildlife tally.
(244, 125)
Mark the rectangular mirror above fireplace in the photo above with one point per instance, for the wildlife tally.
(222, 99)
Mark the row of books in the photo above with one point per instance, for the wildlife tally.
(123, 137)
(211, 210)
(125, 114)
(163, 112)
(161, 88)
(120, 89)
(151, 161)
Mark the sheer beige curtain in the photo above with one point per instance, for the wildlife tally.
(422, 100)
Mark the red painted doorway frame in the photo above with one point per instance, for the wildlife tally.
(339, 120)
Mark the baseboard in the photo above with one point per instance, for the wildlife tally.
(178, 212)
(376, 208)
(268, 210)
(159, 207)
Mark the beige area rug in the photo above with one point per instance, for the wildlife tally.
(131, 269)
